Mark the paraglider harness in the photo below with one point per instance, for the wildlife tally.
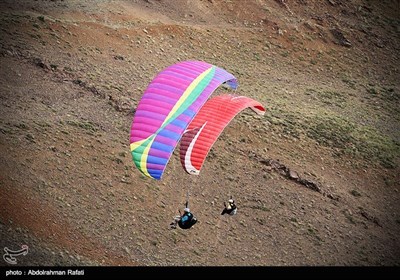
(231, 209)
(187, 220)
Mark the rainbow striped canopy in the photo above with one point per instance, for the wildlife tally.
(168, 105)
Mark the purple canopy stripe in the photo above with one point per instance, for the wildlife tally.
(168, 105)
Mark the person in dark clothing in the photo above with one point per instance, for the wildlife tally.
(185, 221)
(229, 209)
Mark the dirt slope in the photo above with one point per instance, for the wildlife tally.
(316, 179)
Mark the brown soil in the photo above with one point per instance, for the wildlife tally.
(316, 180)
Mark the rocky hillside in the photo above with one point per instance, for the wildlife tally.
(316, 179)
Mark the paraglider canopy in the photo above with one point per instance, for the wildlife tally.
(167, 106)
(208, 124)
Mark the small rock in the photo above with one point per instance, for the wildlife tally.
(293, 175)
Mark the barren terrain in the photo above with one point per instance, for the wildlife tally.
(316, 179)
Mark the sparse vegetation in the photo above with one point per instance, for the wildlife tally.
(355, 193)
(86, 125)
(73, 73)
(354, 140)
